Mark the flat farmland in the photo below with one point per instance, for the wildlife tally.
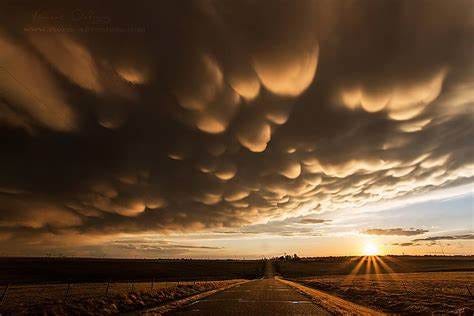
(38, 293)
(108, 286)
(90, 299)
(394, 284)
(414, 293)
(85, 270)
(361, 265)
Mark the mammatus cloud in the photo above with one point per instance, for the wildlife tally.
(226, 115)
(395, 231)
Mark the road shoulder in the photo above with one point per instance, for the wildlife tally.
(160, 310)
(332, 303)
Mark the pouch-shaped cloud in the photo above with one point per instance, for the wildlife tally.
(402, 101)
(291, 169)
(36, 214)
(236, 195)
(415, 126)
(28, 86)
(230, 114)
(68, 57)
(155, 202)
(217, 116)
(197, 92)
(287, 75)
(248, 86)
(350, 167)
(255, 135)
(209, 198)
(131, 74)
(226, 172)
(210, 124)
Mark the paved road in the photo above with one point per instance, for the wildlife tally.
(259, 297)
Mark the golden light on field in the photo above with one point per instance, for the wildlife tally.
(371, 249)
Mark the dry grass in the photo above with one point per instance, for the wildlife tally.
(346, 265)
(90, 299)
(40, 293)
(430, 293)
(80, 270)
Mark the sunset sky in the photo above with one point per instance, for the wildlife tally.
(231, 129)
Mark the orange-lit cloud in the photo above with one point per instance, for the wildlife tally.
(395, 231)
(229, 115)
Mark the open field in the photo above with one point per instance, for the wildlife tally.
(345, 265)
(400, 284)
(31, 294)
(396, 284)
(87, 301)
(110, 285)
(425, 292)
(74, 270)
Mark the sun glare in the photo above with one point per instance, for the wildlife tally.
(371, 249)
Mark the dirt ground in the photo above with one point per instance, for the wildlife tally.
(428, 292)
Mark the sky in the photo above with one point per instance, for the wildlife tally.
(236, 129)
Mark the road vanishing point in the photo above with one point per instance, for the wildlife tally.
(258, 297)
(265, 296)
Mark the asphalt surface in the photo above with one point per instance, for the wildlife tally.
(259, 297)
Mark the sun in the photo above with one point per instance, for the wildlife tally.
(371, 249)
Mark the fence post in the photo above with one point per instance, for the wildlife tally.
(107, 289)
(404, 285)
(66, 294)
(152, 281)
(4, 294)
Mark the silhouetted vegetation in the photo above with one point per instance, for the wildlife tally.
(52, 270)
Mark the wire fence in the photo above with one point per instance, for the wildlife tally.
(30, 294)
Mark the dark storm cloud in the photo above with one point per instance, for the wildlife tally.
(395, 231)
(202, 115)
(449, 237)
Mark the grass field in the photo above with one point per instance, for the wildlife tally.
(416, 293)
(395, 284)
(102, 286)
(65, 270)
(399, 284)
(31, 294)
(346, 265)
(86, 299)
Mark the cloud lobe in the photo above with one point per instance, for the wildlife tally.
(202, 123)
